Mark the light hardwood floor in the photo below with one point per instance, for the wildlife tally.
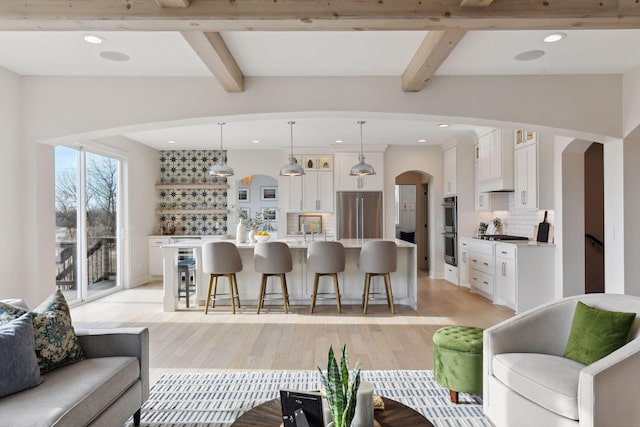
(189, 341)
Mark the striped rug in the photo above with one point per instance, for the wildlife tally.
(218, 399)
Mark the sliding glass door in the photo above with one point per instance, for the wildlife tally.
(87, 222)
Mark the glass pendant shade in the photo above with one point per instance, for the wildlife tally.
(292, 168)
(221, 169)
(362, 168)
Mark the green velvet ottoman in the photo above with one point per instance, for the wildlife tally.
(457, 359)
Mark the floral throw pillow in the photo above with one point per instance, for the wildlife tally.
(55, 339)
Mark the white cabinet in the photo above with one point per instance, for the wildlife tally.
(318, 191)
(506, 275)
(345, 182)
(451, 273)
(450, 172)
(155, 254)
(296, 202)
(488, 201)
(533, 171)
(463, 263)
(481, 267)
(524, 275)
(495, 161)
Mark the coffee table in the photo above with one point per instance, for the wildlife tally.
(269, 414)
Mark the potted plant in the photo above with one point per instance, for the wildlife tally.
(341, 393)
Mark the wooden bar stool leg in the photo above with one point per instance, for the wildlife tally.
(235, 283)
(387, 283)
(215, 290)
(316, 279)
(263, 284)
(285, 297)
(231, 292)
(454, 396)
(206, 307)
(337, 291)
(367, 284)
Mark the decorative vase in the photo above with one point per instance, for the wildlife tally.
(363, 416)
(252, 236)
(241, 232)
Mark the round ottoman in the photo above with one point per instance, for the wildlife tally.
(457, 359)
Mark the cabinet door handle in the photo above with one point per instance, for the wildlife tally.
(300, 204)
(485, 282)
(464, 257)
(503, 252)
(486, 263)
(475, 278)
(504, 269)
(526, 197)
(317, 205)
(474, 260)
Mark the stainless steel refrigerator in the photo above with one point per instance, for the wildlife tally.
(359, 214)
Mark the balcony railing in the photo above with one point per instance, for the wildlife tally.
(101, 262)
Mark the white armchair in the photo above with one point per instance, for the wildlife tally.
(527, 382)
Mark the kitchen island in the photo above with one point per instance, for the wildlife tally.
(299, 281)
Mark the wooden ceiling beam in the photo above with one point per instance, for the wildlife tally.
(433, 51)
(215, 54)
(475, 3)
(269, 15)
(173, 3)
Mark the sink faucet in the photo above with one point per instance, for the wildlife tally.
(313, 234)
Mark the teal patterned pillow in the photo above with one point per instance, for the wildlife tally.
(56, 341)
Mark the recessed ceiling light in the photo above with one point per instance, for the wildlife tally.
(171, 141)
(115, 56)
(443, 125)
(93, 39)
(529, 55)
(422, 140)
(255, 141)
(339, 141)
(556, 37)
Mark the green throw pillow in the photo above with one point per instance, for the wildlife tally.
(55, 339)
(596, 333)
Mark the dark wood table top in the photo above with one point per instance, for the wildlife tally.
(269, 414)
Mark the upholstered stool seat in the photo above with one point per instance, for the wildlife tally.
(378, 258)
(221, 259)
(457, 359)
(325, 259)
(272, 259)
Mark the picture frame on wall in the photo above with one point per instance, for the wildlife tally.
(268, 193)
(312, 223)
(244, 195)
(270, 214)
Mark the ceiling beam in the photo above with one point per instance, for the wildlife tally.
(433, 51)
(475, 3)
(215, 54)
(174, 3)
(270, 15)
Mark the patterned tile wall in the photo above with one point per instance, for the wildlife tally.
(191, 167)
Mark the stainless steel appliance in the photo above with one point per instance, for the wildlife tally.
(359, 214)
(450, 230)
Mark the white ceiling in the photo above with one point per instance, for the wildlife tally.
(354, 53)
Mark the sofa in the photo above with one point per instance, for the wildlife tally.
(105, 388)
(530, 380)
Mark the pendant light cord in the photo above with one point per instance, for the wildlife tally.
(291, 125)
(221, 124)
(361, 122)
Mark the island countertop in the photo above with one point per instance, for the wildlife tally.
(404, 280)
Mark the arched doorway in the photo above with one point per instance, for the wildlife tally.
(412, 213)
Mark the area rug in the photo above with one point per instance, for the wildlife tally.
(218, 399)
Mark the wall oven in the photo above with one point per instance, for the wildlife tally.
(450, 231)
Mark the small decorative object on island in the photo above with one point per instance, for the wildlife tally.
(241, 232)
(341, 393)
(497, 222)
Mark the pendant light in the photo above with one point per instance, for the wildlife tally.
(221, 169)
(362, 168)
(292, 168)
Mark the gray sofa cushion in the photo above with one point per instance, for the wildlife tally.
(74, 394)
(18, 362)
(550, 381)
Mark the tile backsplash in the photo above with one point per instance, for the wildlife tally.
(521, 222)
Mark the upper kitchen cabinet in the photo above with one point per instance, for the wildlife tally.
(495, 161)
(533, 171)
(313, 192)
(488, 201)
(345, 182)
(450, 171)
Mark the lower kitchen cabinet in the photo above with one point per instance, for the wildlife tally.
(524, 275)
(451, 273)
(155, 254)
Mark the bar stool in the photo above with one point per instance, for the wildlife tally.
(325, 259)
(272, 259)
(378, 258)
(221, 259)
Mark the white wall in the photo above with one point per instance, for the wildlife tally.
(631, 149)
(428, 160)
(630, 101)
(614, 216)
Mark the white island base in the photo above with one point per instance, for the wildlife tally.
(299, 281)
